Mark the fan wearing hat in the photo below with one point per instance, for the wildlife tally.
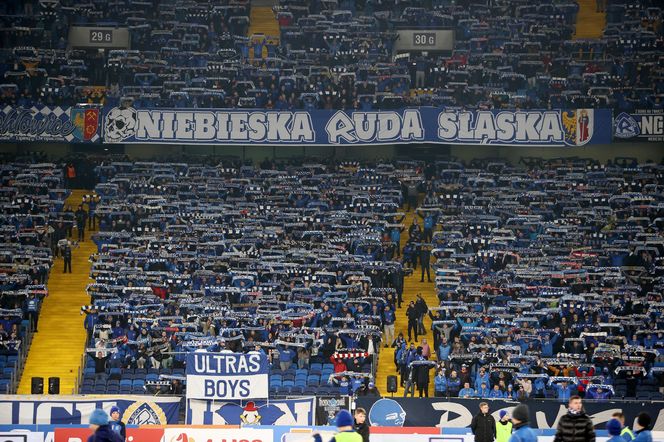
(614, 427)
(102, 430)
(345, 429)
(521, 432)
(116, 424)
(642, 428)
(503, 427)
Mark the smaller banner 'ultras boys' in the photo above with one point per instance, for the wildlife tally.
(218, 376)
(576, 127)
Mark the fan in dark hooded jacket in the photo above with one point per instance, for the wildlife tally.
(105, 434)
(575, 427)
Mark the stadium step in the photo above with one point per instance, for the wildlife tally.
(262, 22)
(412, 286)
(58, 346)
(589, 23)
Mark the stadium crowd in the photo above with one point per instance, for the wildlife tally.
(549, 276)
(33, 222)
(333, 55)
(549, 281)
(297, 263)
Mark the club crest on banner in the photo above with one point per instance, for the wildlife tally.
(144, 413)
(626, 126)
(387, 413)
(86, 123)
(578, 126)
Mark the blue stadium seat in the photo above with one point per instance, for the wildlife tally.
(313, 380)
(310, 391)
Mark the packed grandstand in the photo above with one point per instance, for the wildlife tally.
(333, 55)
(259, 214)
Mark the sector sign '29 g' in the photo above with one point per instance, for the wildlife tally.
(219, 376)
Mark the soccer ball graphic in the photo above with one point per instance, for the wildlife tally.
(120, 124)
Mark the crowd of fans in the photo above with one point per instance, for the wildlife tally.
(549, 276)
(549, 281)
(333, 55)
(297, 263)
(32, 199)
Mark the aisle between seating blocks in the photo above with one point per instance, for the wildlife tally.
(59, 344)
(412, 286)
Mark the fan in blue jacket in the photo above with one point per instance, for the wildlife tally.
(642, 428)
(102, 431)
(521, 432)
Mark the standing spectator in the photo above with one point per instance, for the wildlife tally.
(81, 217)
(503, 427)
(425, 255)
(422, 309)
(395, 237)
(440, 384)
(565, 391)
(642, 428)
(92, 206)
(286, 356)
(426, 349)
(411, 191)
(483, 424)
(70, 175)
(116, 424)
(32, 308)
(482, 377)
(102, 431)
(411, 377)
(388, 325)
(444, 349)
(521, 432)
(428, 225)
(412, 315)
(66, 256)
(626, 433)
(361, 426)
(303, 355)
(59, 233)
(100, 365)
(521, 394)
(575, 426)
(423, 380)
(453, 384)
